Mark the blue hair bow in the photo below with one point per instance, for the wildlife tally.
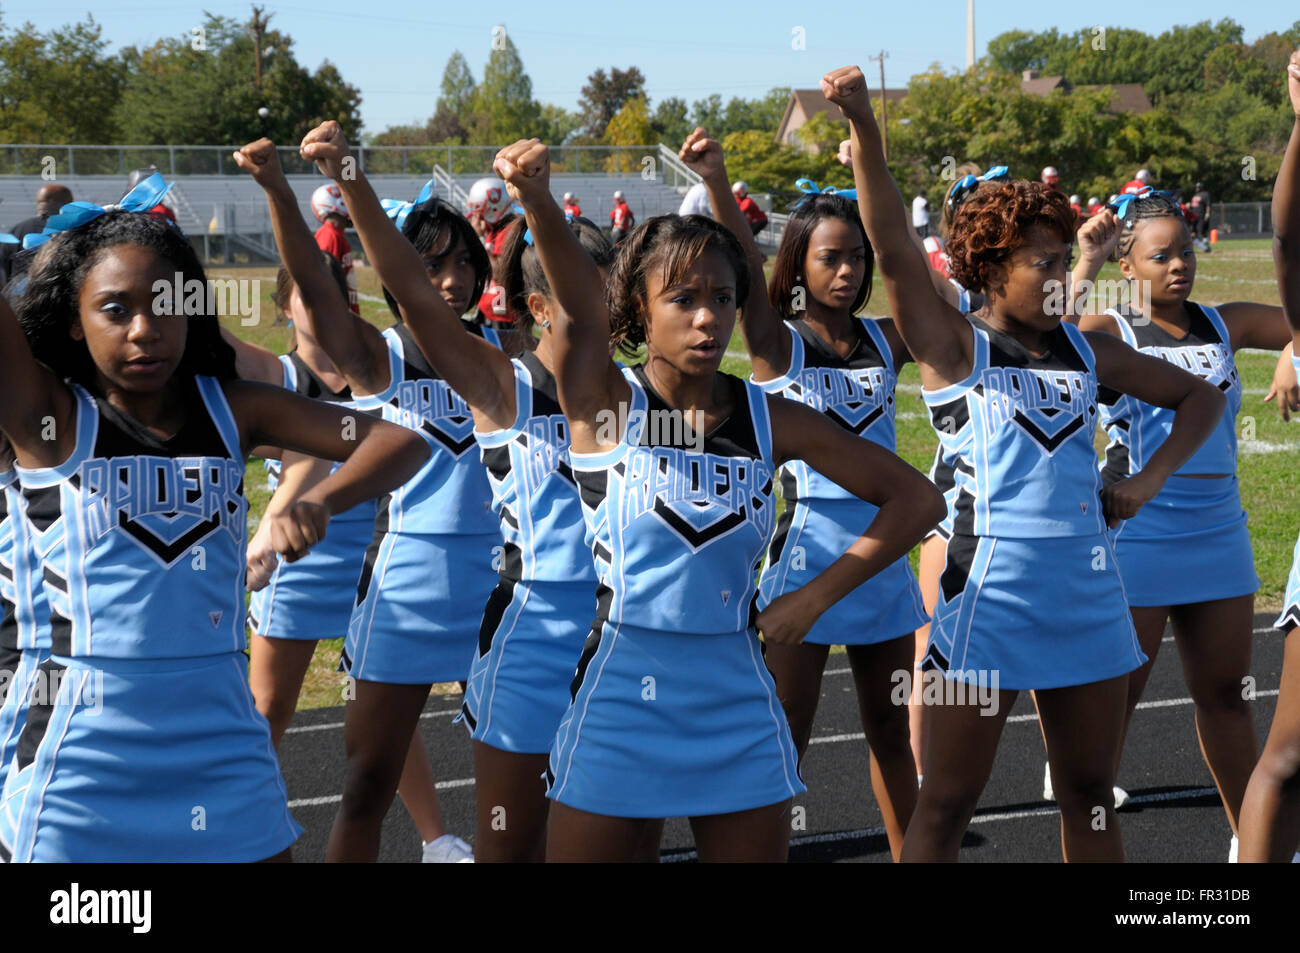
(7, 239)
(398, 210)
(147, 194)
(528, 232)
(809, 187)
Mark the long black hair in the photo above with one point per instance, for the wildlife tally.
(519, 270)
(792, 254)
(51, 303)
(435, 225)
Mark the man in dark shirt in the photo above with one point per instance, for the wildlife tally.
(49, 199)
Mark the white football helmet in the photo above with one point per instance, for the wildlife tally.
(488, 197)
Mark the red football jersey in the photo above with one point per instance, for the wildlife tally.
(330, 239)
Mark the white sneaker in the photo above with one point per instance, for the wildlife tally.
(447, 849)
(1120, 795)
(1232, 850)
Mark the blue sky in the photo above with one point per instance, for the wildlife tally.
(395, 51)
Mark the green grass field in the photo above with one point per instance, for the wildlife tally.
(1236, 271)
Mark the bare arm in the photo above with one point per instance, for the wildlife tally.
(1197, 404)
(378, 456)
(253, 363)
(765, 334)
(910, 506)
(590, 384)
(354, 345)
(298, 473)
(480, 373)
(1286, 210)
(1251, 324)
(1097, 238)
(939, 338)
(37, 411)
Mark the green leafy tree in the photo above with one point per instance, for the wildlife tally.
(631, 126)
(604, 96)
(504, 108)
(671, 121)
(58, 86)
(177, 93)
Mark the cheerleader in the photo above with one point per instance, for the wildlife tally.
(807, 344)
(1186, 557)
(1030, 597)
(540, 612)
(429, 559)
(673, 712)
(1270, 812)
(24, 628)
(139, 508)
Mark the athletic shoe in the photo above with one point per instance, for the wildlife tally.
(1120, 795)
(447, 849)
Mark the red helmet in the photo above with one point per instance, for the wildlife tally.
(328, 199)
(488, 197)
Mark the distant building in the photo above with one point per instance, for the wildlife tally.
(805, 103)
(1125, 97)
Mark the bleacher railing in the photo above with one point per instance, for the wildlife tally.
(173, 161)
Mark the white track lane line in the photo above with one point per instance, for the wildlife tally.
(826, 739)
(833, 836)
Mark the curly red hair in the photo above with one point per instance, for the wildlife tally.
(991, 224)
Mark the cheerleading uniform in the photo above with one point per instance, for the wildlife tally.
(540, 612)
(821, 518)
(674, 712)
(146, 745)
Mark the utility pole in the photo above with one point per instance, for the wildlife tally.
(884, 104)
(257, 27)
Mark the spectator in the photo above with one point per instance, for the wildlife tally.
(49, 199)
(1051, 178)
(1201, 198)
(756, 217)
(327, 204)
(1094, 206)
(921, 214)
(491, 212)
(571, 206)
(621, 219)
(1137, 183)
(696, 201)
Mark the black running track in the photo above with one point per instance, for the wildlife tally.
(1174, 814)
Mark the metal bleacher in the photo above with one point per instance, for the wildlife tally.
(225, 214)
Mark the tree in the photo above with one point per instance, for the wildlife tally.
(202, 88)
(630, 127)
(452, 114)
(604, 96)
(504, 108)
(670, 121)
(59, 86)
